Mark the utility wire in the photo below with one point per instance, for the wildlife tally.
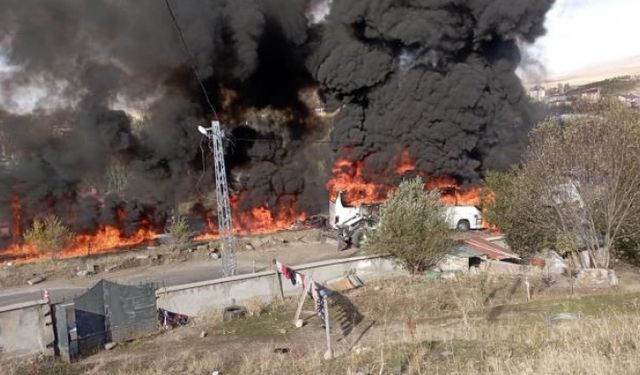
(192, 59)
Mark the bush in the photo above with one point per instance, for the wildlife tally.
(48, 235)
(412, 227)
(179, 230)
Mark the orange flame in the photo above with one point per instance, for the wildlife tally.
(107, 239)
(258, 220)
(348, 179)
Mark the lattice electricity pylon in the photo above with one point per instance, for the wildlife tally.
(227, 240)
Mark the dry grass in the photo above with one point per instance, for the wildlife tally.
(411, 326)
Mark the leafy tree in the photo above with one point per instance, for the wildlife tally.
(412, 227)
(48, 235)
(578, 187)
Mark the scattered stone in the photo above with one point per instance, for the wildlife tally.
(202, 247)
(377, 288)
(299, 323)
(151, 247)
(249, 247)
(203, 334)
(216, 372)
(84, 273)
(155, 257)
(282, 331)
(446, 354)
(555, 264)
(142, 257)
(596, 277)
(281, 350)
(111, 268)
(190, 250)
(35, 280)
(328, 355)
(280, 240)
(92, 268)
(110, 345)
(214, 255)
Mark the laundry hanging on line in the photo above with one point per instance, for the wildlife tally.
(296, 278)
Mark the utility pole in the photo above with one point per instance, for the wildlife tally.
(225, 227)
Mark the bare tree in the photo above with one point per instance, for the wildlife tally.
(48, 235)
(579, 184)
(413, 227)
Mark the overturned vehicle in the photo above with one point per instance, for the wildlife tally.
(351, 223)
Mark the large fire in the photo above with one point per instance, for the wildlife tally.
(356, 189)
(258, 220)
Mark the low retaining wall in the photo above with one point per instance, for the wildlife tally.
(26, 329)
(209, 296)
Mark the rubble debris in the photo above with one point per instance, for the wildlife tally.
(300, 323)
(214, 254)
(111, 268)
(84, 273)
(452, 263)
(345, 283)
(203, 334)
(110, 345)
(35, 280)
(596, 277)
(249, 246)
(142, 257)
(282, 331)
(554, 264)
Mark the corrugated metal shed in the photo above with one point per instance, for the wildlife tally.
(482, 247)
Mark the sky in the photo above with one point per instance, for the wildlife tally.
(584, 33)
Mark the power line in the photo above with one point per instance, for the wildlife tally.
(191, 57)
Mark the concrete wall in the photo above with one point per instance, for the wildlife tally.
(210, 296)
(25, 329)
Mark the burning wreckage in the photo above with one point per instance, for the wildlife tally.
(380, 90)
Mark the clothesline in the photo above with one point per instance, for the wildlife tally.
(298, 279)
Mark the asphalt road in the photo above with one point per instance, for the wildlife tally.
(60, 290)
(171, 274)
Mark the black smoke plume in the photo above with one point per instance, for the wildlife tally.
(434, 77)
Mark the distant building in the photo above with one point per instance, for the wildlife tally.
(631, 100)
(558, 100)
(538, 93)
(591, 95)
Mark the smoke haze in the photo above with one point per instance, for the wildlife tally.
(116, 105)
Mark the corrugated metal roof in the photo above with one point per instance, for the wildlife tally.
(484, 247)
